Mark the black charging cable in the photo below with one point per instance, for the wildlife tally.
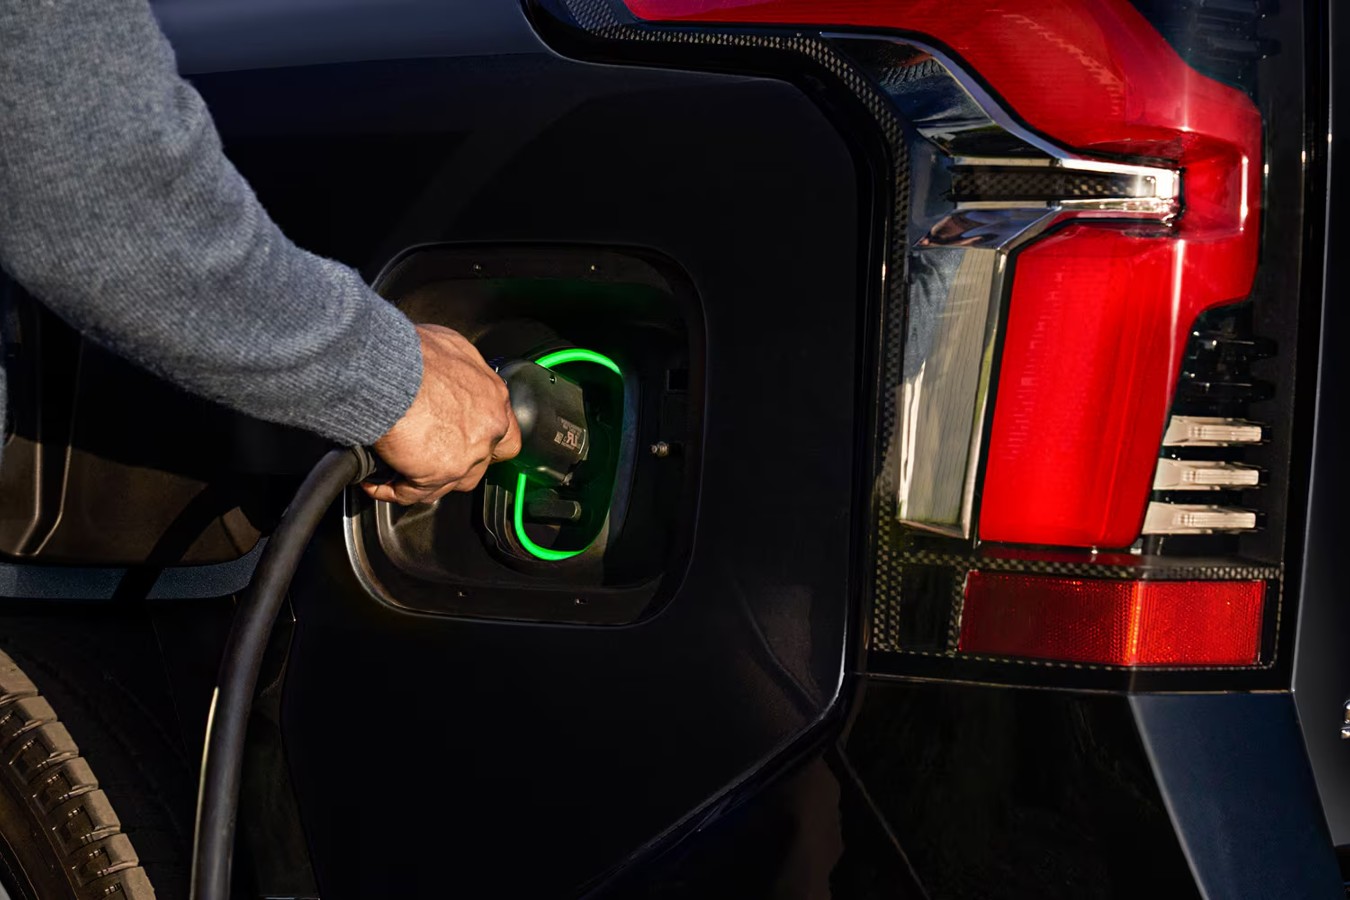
(540, 400)
(227, 723)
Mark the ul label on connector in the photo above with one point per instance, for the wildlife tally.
(569, 436)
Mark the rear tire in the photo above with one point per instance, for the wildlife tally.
(60, 838)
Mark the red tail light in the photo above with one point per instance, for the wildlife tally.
(1099, 316)
(1095, 335)
(1070, 419)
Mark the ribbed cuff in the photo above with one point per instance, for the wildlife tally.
(382, 379)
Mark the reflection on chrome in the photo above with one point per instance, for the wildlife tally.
(982, 185)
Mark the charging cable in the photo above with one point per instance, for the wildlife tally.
(227, 722)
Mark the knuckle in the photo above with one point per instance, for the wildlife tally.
(502, 408)
(494, 423)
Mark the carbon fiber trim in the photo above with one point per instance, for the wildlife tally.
(1037, 184)
(1154, 570)
(887, 613)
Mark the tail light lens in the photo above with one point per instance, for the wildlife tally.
(1085, 399)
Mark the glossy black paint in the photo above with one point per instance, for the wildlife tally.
(942, 790)
(229, 35)
(812, 833)
(1026, 792)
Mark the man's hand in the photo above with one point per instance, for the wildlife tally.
(459, 423)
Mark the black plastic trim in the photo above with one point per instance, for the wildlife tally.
(78, 583)
(1237, 785)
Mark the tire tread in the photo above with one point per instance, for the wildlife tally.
(42, 763)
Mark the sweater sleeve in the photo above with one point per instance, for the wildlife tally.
(120, 212)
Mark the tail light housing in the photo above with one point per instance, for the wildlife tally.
(1087, 315)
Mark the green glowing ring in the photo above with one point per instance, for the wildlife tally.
(548, 361)
(576, 354)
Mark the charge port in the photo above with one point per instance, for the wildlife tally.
(599, 545)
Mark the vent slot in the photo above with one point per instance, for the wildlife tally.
(1204, 447)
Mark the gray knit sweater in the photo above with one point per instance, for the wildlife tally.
(119, 211)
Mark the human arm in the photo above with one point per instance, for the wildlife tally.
(119, 211)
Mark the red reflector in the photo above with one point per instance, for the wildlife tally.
(1123, 623)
